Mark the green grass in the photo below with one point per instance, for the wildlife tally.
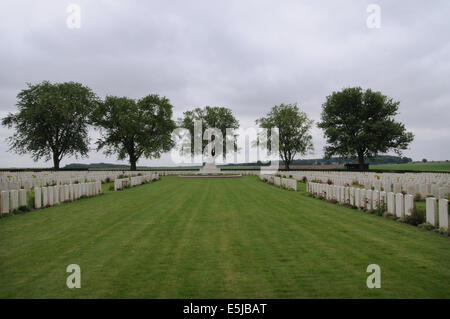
(442, 166)
(216, 238)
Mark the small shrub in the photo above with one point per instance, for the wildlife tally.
(111, 187)
(304, 179)
(31, 200)
(417, 217)
(443, 231)
(108, 180)
(23, 209)
(320, 197)
(329, 182)
(332, 201)
(380, 210)
(426, 226)
(390, 216)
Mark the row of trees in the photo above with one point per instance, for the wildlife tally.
(53, 120)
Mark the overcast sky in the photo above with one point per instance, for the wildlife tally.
(245, 55)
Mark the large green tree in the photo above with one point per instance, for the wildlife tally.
(221, 118)
(52, 121)
(293, 130)
(134, 129)
(361, 124)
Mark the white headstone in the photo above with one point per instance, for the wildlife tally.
(390, 203)
(51, 192)
(443, 213)
(71, 195)
(357, 199)
(44, 196)
(352, 196)
(5, 202)
(22, 197)
(62, 198)
(409, 204)
(56, 194)
(66, 193)
(14, 200)
(399, 211)
(375, 199)
(362, 198)
(431, 210)
(37, 198)
(369, 199)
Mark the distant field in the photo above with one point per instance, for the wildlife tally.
(415, 166)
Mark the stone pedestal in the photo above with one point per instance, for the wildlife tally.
(209, 168)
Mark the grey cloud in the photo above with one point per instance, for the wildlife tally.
(246, 55)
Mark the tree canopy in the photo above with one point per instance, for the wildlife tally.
(293, 130)
(52, 121)
(221, 118)
(132, 129)
(361, 124)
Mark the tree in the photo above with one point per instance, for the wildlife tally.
(424, 160)
(52, 121)
(293, 130)
(361, 124)
(135, 128)
(210, 117)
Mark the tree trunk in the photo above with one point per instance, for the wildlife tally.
(133, 165)
(55, 162)
(286, 164)
(361, 160)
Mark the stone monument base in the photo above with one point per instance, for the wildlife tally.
(209, 168)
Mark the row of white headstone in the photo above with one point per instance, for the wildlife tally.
(287, 183)
(29, 180)
(48, 196)
(436, 184)
(346, 177)
(51, 195)
(12, 200)
(121, 183)
(396, 204)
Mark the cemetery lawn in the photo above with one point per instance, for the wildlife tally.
(216, 238)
